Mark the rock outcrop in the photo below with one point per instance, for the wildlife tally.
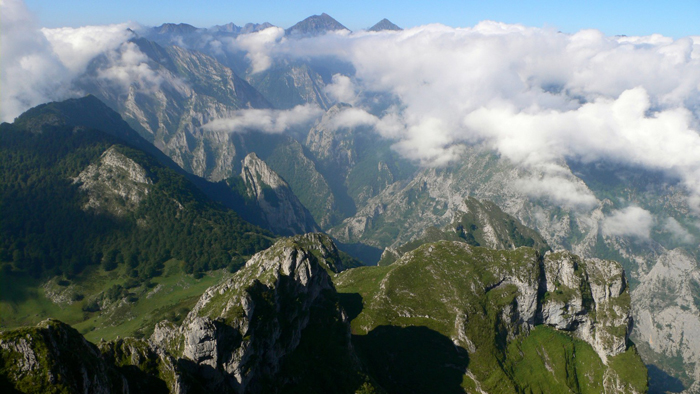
(588, 297)
(282, 210)
(241, 333)
(53, 358)
(116, 184)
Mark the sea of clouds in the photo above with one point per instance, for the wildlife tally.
(537, 96)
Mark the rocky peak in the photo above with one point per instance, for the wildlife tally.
(115, 184)
(384, 24)
(240, 331)
(282, 210)
(315, 25)
(589, 298)
(253, 27)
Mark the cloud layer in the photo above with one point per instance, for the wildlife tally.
(266, 120)
(537, 96)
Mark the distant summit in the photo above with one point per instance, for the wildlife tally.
(175, 28)
(315, 25)
(231, 28)
(384, 24)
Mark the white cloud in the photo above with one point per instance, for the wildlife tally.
(76, 47)
(631, 221)
(30, 73)
(266, 120)
(535, 95)
(679, 232)
(342, 89)
(351, 118)
(258, 46)
(39, 65)
(561, 190)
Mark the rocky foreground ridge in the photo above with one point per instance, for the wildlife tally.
(496, 321)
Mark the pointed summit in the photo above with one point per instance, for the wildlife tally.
(315, 25)
(384, 24)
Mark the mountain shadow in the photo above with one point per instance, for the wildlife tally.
(662, 382)
(412, 360)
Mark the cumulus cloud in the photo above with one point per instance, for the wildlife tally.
(40, 65)
(76, 47)
(258, 46)
(679, 232)
(30, 72)
(351, 118)
(342, 89)
(560, 189)
(631, 221)
(266, 120)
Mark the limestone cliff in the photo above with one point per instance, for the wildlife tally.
(282, 210)
(667, 311)
(54, 358)
(116, 184)
(242, 334)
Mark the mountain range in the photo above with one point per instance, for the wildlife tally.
(478, 286)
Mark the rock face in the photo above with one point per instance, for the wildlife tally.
(667, 312)
(288, 84)
(240, 334)
(116, 184)
(589, 298)
(282, 210)
(53, 358)
(330, 145)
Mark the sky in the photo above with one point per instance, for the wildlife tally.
(674, 18)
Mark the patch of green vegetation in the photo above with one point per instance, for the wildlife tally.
(631, 370)
(456, 291)
(549, 361)
(167, 297)
(46, 230)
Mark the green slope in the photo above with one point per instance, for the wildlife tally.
(447, 308)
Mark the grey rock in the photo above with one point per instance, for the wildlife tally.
(116, 184)
(282, 210)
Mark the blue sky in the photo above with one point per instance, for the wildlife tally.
(675, 18)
